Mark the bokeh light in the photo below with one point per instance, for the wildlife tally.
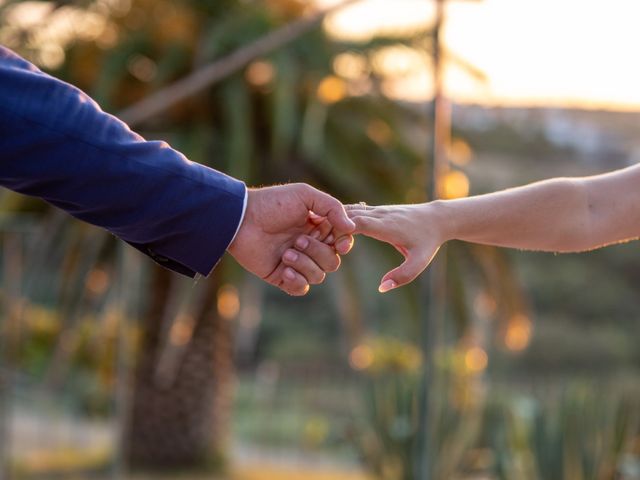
(260, 73)
(182, 330)
(332, 89)
(455, 184)
(361, 357)
(518, 334)
(476, 360)
(228, 302)
(97, 281)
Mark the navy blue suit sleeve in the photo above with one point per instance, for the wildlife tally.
(56, 144)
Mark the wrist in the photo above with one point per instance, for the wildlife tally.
(244, 226)
(438, 216)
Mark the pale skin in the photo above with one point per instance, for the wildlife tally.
(556, 215)
(291, 236)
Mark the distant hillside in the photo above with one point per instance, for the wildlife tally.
(596, 136)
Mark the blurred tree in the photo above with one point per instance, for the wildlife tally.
(288, 117)
(313, 111)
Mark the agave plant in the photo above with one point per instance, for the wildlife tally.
(583, 433)
(388, 438)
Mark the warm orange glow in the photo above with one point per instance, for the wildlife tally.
(361, 357)
(484, 304)
(228, 302)
(476, 359)
(182, 330)
(518, 333)
(54, 27)
(455, 184)
(568, 65)
(142, 68)
(398, 61)
(41, 461)
(97, 281)
(360, 22)
(350, 66)
(332, 89)
(260, 73)
(380, 132)
(459, 152)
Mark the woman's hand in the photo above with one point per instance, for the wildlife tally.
(416, 231)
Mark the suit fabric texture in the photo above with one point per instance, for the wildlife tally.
(57, 144)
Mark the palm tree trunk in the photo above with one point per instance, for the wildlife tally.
(183, 423)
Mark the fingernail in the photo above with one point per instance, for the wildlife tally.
(302, 243)
(386, 286)
(343, 246)
(289, 274)
(290, 256)
(329, 239)
(315, 234)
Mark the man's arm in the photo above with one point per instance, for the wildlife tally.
(56, 144)
(557, 215)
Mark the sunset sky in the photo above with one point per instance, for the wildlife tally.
(558, 52)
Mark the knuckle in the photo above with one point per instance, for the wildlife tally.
(362, 221)
(318, 249)
(325, 227)
(302, 187)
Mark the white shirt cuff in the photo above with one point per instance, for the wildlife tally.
(244, 210)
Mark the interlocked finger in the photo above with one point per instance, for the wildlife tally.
(322, 254)
(288, 280)
(304, 265)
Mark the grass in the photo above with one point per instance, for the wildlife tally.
(261, 472)
(63, 462)
(271, 472)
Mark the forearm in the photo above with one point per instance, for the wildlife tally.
(561, 215)
(558, 215)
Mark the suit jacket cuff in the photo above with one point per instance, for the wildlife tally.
(199, 250)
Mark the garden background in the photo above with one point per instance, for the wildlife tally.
(496, 365)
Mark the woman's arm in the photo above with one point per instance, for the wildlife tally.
(559, 215)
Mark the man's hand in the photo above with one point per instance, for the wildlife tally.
(274, 240)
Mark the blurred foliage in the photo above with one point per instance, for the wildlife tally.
(581, 432)
(288, 117)
(388, 432)
(379, 355)
(299, 115)
(576, 432)
(88, 370)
